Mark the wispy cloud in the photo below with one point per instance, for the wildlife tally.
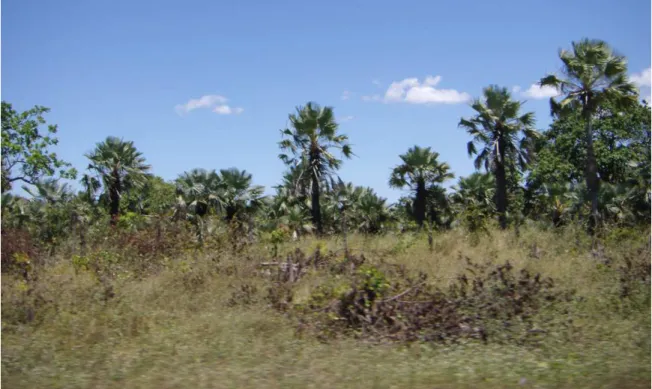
(216, 102)
(642, 79)
(376, 82)
(374, 97)
(347, 118)
(346, 95)
(538, 92)
(226, 110)
(410, 90)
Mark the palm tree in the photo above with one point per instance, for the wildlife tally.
(496, 128)
(239, 197)
(199, 190)
(311, 139)
(120, 167)
(371, 212)
(91, 185)
(50, 191)
(421, 171)
(478, 188)
(592, 75)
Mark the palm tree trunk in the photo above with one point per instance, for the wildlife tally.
(591, 172)
(420, 203)
(501, 186)
(114, 198)
(344, 237)
(316, 209)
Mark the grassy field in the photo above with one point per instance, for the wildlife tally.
(184, 326)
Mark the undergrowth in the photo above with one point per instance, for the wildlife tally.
(149, 309)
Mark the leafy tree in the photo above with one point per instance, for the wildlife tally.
(592, 75)
(622, 143)
(497, 127)
(25, 148)
(120, 167)
(154, 197)
(421, 172)
(311, 138)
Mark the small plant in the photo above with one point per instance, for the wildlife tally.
(80, 263)
(278, 237)
(374, 282)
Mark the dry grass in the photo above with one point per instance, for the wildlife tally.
(175, 328)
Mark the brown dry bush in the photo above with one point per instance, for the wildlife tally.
(18, 250)
(490, 303)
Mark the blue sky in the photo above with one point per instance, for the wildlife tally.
(210, 83)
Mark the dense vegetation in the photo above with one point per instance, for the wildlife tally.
(540, 258)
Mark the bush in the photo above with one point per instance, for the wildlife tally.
(491, 303)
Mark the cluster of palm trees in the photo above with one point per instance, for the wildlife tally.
(312, 198)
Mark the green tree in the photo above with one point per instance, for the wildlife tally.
(311, 138)
(621, 138)
(25, 148)
(120, 167)
(477, 189)
(199, 190)
(239, 197)
(496, 128)
(422, 173)
(592, 75)
(154, 197)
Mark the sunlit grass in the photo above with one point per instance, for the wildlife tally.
(175, 329)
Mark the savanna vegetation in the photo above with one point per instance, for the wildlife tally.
(533, 272)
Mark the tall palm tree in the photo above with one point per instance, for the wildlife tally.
(592, 75)
(420, 171)
(496, 127)
(311, 138)
(120, 167)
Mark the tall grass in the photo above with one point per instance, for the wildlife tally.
(189, 321)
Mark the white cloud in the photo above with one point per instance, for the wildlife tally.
(202, 102)
(516, 89)
(347, 118)
(410, 90)
(216, 102)
(371, 98)
(537, 92)
(642, 79)
(376, 82)
(226, 110)
(346, 95)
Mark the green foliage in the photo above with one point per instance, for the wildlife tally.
(505, 137)
(308, 149)
(595, 78)
(120, 167)
(422, 173)
(25, 149)
(373, 281)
